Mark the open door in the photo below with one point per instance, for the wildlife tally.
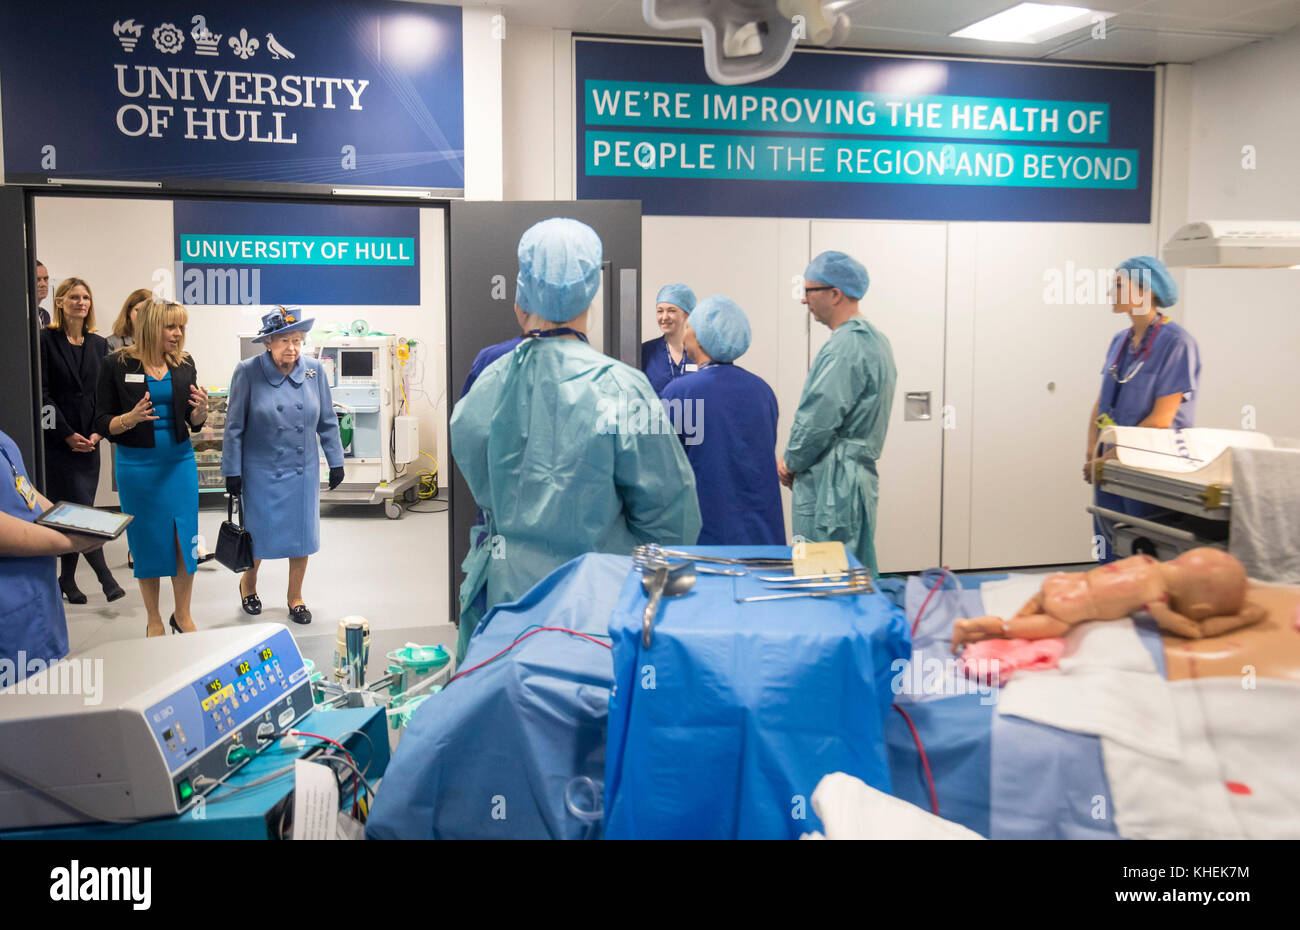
(484, 267)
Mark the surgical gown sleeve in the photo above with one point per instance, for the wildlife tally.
(656, 482)
(833, 387)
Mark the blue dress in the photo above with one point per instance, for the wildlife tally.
(658, 364)
(31, 606)
(1173, 366)
(733, 453)
(272, 423)
(159, 487)
(485, 358)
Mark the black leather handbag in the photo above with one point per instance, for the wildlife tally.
(234, 543)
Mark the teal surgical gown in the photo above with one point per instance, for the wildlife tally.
(566, 451)
(838, 434)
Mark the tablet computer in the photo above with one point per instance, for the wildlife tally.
(77, 518)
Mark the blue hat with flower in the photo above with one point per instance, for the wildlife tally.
(280, 322)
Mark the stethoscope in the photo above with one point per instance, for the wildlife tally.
(1144, 352)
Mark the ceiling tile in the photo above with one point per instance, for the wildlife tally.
(1144, 47)
(1277, 18)
(1206, 10)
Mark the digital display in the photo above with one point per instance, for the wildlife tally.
(214, 686)
(265, 654)
(242, 668)
(356, 364)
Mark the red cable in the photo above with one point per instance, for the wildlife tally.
(920, 613)
(356, 774)
(557, 629)
(925, 761)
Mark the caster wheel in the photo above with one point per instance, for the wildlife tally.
(409, 495)
(392, 509)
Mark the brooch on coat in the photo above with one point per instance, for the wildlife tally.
(311, 372)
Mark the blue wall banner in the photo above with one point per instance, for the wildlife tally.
(847, 135)
(356, 92)
(308, 254)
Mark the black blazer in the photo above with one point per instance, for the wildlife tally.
(69, 386)
(116, 396)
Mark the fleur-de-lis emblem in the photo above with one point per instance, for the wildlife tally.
(243, 45)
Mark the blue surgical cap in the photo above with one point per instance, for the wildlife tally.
(839, 270)
(1152, 273)
(559, 269)
(679, 295)
(721, 328)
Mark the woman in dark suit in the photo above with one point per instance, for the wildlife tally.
(148, 402)
(72, 354)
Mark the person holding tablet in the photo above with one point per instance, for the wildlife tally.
(148, 402)
(32, 623)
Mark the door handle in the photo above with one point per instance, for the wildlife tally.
(916, 405)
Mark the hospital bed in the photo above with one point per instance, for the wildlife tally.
(1208, 487)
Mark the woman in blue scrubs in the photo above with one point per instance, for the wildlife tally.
(665, 358)
(1152, 370)
(734, 461)
(32, 624)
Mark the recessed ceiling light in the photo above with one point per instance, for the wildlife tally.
(1031, 23)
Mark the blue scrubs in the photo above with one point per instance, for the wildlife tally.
(1173, 366)
(485, 358)
(658, 364)
(31, 606)
(733, 453)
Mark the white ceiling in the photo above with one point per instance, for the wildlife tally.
(1141, 32)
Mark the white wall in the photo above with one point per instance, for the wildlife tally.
(118, 245)
(1247, 321)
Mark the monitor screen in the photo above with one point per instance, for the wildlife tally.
(356, 363)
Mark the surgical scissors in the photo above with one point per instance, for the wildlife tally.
(656, 550)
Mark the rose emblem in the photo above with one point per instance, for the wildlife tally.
(167, 38)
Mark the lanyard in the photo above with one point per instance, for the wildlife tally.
(707, 365)
(561, 331)
(675, 371)
(21, 485)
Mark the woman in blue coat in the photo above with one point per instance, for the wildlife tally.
(279, 404)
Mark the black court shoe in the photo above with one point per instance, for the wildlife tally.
(71, 591)
(113, 591)
(176, 627)
(251, 603)
(300, 614)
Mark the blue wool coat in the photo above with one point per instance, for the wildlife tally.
(272, 423)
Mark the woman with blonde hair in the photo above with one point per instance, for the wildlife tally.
(148, 402)
(72, 355)
(124, 326)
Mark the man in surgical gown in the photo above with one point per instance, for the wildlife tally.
(726, 417)
(839, 428)
(554, 443)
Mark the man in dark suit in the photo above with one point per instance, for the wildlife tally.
(42, 291)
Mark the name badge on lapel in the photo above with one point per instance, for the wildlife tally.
(135, 379)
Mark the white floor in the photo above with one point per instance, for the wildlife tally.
(392, 572)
